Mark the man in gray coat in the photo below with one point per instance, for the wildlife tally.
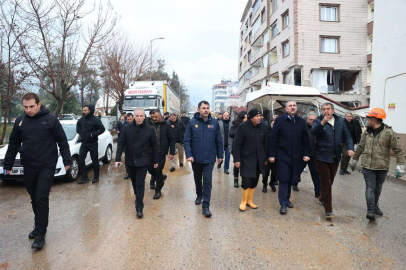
(225, 127)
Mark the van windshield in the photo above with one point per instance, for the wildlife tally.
(140, 103)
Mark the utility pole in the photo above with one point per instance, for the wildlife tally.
(150, 67)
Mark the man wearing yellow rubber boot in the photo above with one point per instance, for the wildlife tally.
(249, 146)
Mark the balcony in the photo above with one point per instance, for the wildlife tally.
(257, 57)
(256, 40)
(370, 27)
(262, 74)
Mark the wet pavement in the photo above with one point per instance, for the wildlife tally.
(93, 226)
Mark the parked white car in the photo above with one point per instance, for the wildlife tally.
(69, 126)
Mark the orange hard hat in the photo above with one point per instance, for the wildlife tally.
(377, 113)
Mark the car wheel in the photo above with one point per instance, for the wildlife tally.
(73, 172)
(108, 156)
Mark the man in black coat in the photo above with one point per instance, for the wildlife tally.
(178, 130)
(35, 135)
(89, 127)
(249, 146)
(119, 126)
(289, 147)
(311, 116)
(128, 120)
(355, 130)
(141, 150)
(330, 132)
(166, 141)
(185, 120)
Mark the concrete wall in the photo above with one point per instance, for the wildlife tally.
(388, 81)
(352, 30)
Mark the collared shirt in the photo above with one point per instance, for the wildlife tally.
(331, 121)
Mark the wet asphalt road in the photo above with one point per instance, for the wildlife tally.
(93, 226)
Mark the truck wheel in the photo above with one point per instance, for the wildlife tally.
(108, 156)
(73, 172)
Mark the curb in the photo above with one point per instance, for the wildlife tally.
(393, 178)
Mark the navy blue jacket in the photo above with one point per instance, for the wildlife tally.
(329, 140)
(288, 144)
(203, 140)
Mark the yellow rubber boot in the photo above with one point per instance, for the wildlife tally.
(243, 204)
(249, 201)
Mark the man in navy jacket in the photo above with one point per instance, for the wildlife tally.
(289, 147)
(202, 144)
(331, 132)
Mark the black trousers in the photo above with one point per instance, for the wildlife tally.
(38, 182)
(137, 175)
(284, 192)
(270, 169)
(156, 174)
(93, 148)
(251, 182)
(203, 188)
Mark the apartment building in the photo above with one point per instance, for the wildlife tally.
(306, 43)
(221, 94)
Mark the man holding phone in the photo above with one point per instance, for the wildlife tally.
(141, 148)
(330, 132)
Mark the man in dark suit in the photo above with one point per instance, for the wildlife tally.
(312, 162)
(141, 149)
(289, 147)
(355, 130)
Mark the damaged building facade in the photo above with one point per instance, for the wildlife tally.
(306, 43)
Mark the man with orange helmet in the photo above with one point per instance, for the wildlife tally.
(375, 147)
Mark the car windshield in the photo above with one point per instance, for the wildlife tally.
(139, 103)
(68, 117)
(70, 131)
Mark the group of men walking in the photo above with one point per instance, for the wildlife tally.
(285, 146)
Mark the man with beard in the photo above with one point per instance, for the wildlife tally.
(249, 152)
(141, 150)
(89, 127)
(289, 147)
(166, 141)
(225, 127)
(202, 144)
(36, 135)
(178, 130)
(330, 132)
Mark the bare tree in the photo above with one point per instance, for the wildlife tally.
(121, 63)
(57, 47)
(14, 71)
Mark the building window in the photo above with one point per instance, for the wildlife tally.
(256, 26)
(263, 16)
(274, 5)
(274, 28)
(330, 44)
(329, 13)
(242, 35)
(285, 19)
(240, 66)
(249, 37)
(240, 51)
(285, 48)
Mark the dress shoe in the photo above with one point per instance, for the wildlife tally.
(139, 213)
(126, 176)
(273, 187)
(198, 200)
(264, 189)
(290, 205)
(317, 194)
(276, 183)
(39, 242)
(164, 176)
(342, 172)
(283, 210)
(295, 188)
(83, 180)
(94, 181)
(378, 211)
(151, 184)
(206, 212)
(226, 172)
(157, 195)
(346, 171)
(181, 165)
(172, 169)
(31, 235)
(236, 183)
(329, 215)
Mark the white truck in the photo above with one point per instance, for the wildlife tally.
(151, 95)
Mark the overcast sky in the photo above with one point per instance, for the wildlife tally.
(201, 37)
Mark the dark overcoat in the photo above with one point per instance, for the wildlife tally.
(249, 148)
(288, 144)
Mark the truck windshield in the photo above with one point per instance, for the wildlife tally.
(140, 103)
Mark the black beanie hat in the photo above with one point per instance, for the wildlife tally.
(253, 112)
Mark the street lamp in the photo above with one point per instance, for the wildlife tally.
(150, 68)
